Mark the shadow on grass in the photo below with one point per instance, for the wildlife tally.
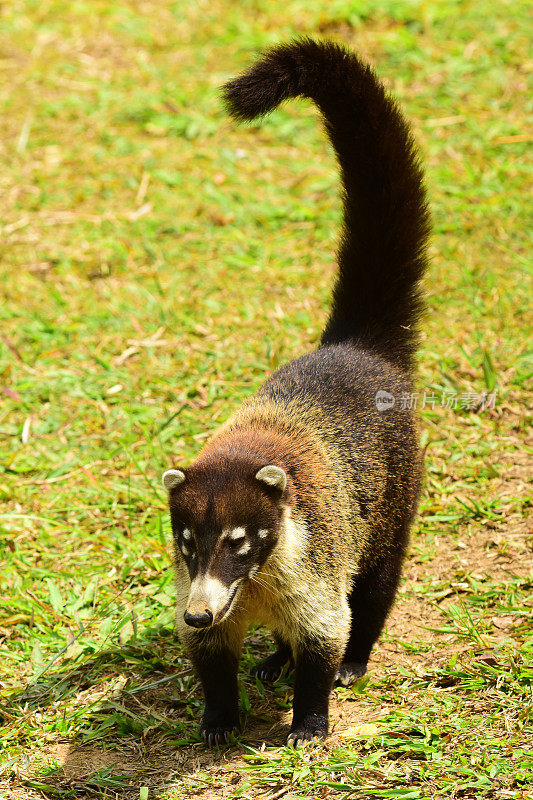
(127, 718)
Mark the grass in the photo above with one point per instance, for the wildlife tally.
(157, 261)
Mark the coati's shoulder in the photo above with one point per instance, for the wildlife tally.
(332, 371)
(337, 393)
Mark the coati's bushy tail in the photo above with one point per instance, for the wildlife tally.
(382, 253)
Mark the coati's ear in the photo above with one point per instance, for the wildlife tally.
(272, 476)
(172, 478)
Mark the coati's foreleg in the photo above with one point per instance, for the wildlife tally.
(270, 668)
(215, 658)
(370, 601)
(318, 650)
(316, 666)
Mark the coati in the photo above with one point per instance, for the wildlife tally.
(296, 514)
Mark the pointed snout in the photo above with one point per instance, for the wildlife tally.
(199, 613)
(209, 601)
(198, 619)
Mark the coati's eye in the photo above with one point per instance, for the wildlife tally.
(244, 548)
(186, 544)
(237, 541)
(235, 536)
(185, 549)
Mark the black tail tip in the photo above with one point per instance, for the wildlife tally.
(281, 72)
(241, 99)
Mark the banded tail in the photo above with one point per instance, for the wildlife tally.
(382, 256)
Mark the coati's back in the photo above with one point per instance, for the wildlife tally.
(368, 464)
(300, 506)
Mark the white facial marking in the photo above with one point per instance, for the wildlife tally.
(244, 549)
(185, 550)
(236, 533)
(211, 591)
(253, 570)
(262, 533)
(186, 533)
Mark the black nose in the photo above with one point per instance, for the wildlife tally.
(199, 620)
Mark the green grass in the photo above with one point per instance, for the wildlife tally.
(157, 262)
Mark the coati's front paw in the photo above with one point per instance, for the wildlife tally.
(214, 737)
(349, 672)
(271, 667)
(216, 730)
(315, 726)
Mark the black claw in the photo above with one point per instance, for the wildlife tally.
(268, 676)
(298, 738)
(271, 668)
(216, 737)
(349, 672)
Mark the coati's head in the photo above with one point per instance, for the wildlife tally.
(226, 520)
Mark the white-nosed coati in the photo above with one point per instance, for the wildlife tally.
(297, 512)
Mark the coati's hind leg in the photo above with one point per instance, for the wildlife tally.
(370, 601)
(270, 668)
